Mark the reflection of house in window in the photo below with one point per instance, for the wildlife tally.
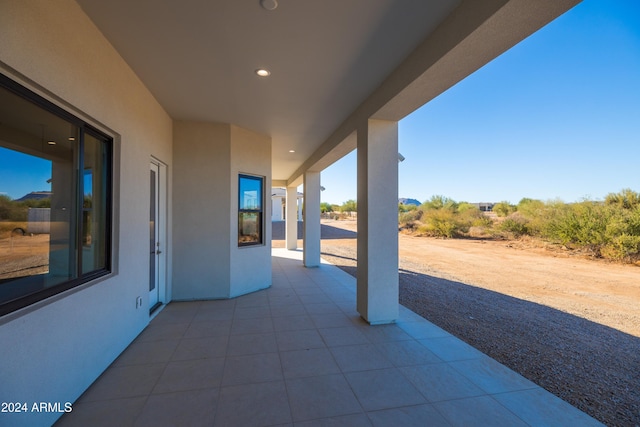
(250, 210)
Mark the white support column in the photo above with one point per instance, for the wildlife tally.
(377, 278)
(311, 214)
(291, 219)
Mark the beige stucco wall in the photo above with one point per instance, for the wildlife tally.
(208, 263)
(201, 214)
(250, 265)
(52, 351)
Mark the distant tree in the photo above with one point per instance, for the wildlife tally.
(12, 210)
(349, 206)
(530, 207)
(6, 206)
(326, 207)
(626, 199)
(439, 202)
(466, 206)
(406, 208)
(503, 208)
(35, 203)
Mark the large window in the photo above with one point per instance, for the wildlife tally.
(250, 210)
(55, 198)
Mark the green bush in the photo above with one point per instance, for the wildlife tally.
(439, 202)
(442, 223)
(410, 216)
(609, 229)
(516, 225)
(503, 208)
(349, 206)
(325, 207)
(623, 248)
(10, 210)
(406, 208)
(581, 224)
(625, 199)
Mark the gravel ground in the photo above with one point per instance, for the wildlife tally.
(593, 367)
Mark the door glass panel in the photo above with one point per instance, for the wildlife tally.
(152, 231)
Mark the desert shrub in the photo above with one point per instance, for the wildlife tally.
(439, 202)
(7, 227)
(515, 224)
(349, 206)
(477, 217)
(442, 223)
(466, 206)
(609, 229)
(623, 248)
(581, 224)
(625, 199)
(406, 208)
(325, 207)
(530, 208)
(11, 210)
(537, 215)
(622, 233)
(410, 216)
(503, 208)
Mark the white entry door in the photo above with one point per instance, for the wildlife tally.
(157, 210)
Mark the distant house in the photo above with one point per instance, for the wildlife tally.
(279, 204)
(484, 206)
(39, 220)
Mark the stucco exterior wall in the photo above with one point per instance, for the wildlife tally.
(250, 265)
(208, 264)
(201, 214)
(53, 350)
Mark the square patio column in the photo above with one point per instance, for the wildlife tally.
(291, 219)
(311, 222)
(377, 277)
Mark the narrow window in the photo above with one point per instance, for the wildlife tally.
(55, 195)
(250, 199)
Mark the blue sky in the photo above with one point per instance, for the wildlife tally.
(557, 116)
(21, 174)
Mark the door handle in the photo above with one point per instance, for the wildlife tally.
(158, 252)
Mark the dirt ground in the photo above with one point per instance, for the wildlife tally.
(569, 324)
(24, 255)
(602, 292)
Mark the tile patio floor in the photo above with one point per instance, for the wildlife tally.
(298, 354)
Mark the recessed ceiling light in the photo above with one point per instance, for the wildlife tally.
(51, 142)
(72, 138)
(292, 151)
(263, 72)
(269, 4)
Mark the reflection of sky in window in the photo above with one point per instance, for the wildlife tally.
(88, 183)
(250, 191)
(20, 173)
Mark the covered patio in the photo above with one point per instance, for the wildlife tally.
(298, 353)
